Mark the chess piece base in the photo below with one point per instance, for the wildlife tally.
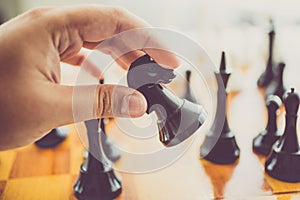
(283, 166)
(263, 143)
(97, 185)
(225, 150)
(53, 138)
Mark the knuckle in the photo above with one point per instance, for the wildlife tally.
(120, 14)
(119, 11)
(103, 105)
(36, 12)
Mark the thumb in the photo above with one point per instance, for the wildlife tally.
(118, 101)
(98, 101)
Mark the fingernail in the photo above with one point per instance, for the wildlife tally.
(133, 105)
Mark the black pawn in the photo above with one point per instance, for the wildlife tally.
(220, 148)
(263, 143)
(284, 161)
(267, 76)
(109, 147)
(188, 94)
(53, 138)
(97, 180)
(276, 87)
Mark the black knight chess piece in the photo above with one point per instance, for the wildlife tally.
(97, 180)
(267, 76)
(220, 148)
(276, 86)
(283, 162)
(263, 143)
(188, 93)
(178, 118)
(53, 138)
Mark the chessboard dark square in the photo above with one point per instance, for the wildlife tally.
(2, 187)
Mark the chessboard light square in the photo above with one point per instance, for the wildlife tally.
(279, 187)
(47, 188)
(6, 162)
(41, 162)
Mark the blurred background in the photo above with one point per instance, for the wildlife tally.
(238, 27)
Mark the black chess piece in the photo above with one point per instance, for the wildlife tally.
(267, 76)
(53, 138)
(85, 154)
(276, 87)
(97, 180)
(108, 145)
(283, 162)
(178, 118)
(188, 93)
(263, 143)
(220, 148)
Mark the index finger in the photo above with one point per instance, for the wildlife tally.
(88, 25)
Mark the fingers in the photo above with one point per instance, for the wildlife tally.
(81, 103)
(76, 60)
(89, 26)
(120, 52)
(163, 57)
(126, 47)
(126, 59)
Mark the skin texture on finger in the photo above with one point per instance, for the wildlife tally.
(26, 112)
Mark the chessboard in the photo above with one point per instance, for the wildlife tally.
(32, 173)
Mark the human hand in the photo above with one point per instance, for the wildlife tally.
(32, 101)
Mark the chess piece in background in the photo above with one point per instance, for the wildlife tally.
(188, 93)
(225, 149)
(53, 138)
(97, 180)
(276, 87)
(283, 162)
(109, 147)
(267, 76)
(263, 143)
(178, 119)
